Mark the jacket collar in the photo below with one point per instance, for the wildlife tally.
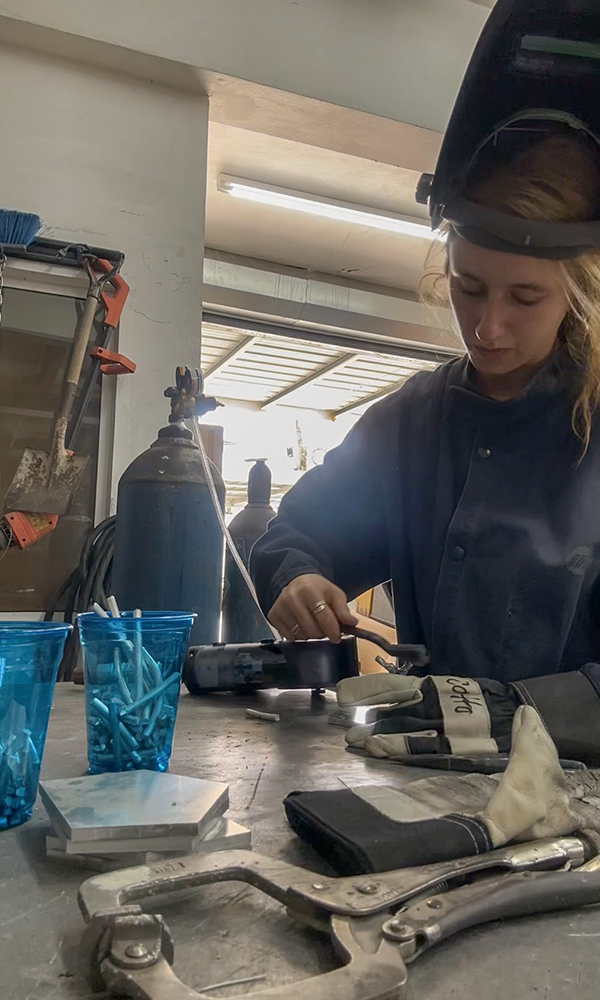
(557, 382)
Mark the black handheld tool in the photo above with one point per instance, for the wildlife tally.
(313, 663)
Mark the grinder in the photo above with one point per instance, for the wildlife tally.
(313, 663)
(245, 666)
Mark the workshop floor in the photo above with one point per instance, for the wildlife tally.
(232, 931)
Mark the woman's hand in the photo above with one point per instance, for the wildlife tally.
(311, 607)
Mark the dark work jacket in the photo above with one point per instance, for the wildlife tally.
(480, 512)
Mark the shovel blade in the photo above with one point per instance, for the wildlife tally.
(43, 487)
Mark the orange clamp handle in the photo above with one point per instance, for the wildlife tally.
(112, 303)
(27, 528)
(113, 363)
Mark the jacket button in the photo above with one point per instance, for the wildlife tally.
(458, 553)
(484, 452)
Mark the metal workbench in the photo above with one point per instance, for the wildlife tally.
(229, 931)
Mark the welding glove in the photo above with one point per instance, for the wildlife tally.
(532, 800)
(535, 798)
(379, 689)
(465, 716)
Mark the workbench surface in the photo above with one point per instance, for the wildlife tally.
(230, 931)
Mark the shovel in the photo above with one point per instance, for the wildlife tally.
(46, 483)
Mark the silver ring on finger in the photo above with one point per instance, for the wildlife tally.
(295, 630)
(319, 607)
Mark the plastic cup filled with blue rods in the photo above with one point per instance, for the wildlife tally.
(132, 665)
(30, 653)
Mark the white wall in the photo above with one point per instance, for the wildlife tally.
(116, 162)
(399, 59)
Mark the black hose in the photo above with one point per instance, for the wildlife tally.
(88, 583)
(94, 567)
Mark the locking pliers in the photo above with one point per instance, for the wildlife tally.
(378, 924)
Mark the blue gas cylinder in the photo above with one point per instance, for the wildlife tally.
(168, 543)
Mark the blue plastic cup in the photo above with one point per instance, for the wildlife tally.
(132, 673)
(30, 653)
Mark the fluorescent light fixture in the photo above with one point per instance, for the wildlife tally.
(324, 208)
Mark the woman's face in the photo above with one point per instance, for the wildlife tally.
(508, 307)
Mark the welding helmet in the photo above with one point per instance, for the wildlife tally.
(536, 67)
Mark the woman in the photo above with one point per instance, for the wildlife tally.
(474, 488)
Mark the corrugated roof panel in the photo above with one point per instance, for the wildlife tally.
(223, 335)
(317, 397)
(276, 367)
(297, 346)
(246, 391)
(217, 341)
(272, 363)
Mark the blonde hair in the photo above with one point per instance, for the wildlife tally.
(556, 179)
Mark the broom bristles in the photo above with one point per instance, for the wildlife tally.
(18, 228)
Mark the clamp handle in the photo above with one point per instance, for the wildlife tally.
(113, 304)
(113, 363)
(519, 894)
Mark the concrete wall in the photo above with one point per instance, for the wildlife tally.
(121, 163)
(398, 59)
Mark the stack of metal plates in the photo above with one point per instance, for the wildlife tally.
(105, 821)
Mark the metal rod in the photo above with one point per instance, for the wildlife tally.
(171, 679)
(137, 648)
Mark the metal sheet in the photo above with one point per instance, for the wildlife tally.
(133, 804)
(57, 841)
(224, 835)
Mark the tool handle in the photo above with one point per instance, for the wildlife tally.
(112, 303)
(86, 390)
(516, 895)
(78, 352)
(80, 341)
(409, 652)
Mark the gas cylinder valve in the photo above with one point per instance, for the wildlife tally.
(187, 396)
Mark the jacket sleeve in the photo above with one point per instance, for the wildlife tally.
(333, 522)
(569, 704)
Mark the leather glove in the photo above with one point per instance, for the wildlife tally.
(458, 715)
(379, 689)
(464, 715)
(532, 800)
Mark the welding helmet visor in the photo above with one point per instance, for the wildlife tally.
(535, 69)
